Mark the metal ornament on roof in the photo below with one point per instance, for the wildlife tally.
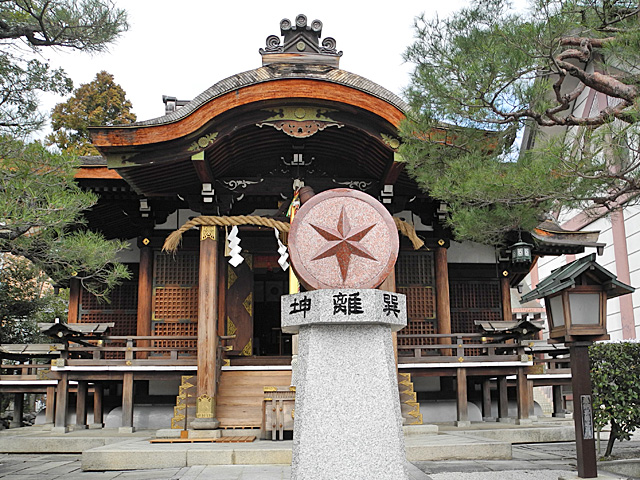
(301, 39)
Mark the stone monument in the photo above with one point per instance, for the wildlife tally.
(343, 243)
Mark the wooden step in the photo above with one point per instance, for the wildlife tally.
(237, 439)
(241, 393)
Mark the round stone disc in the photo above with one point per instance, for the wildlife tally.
(343, 238)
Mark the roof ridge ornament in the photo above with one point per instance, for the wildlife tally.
(301, 45)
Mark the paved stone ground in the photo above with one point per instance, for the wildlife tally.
(547, 461)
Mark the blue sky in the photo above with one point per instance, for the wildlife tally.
(182, 48)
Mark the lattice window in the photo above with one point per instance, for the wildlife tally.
(415, 268)
(121, 310)
(125, 323)
(122, 297)
(178, 269)
(175, 299)
(175, 303)
(475, 295)
(418, 327)
(421, 302)
(473, 300)
(175, 329)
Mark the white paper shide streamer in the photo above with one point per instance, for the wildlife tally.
(283, 251)
(234, 247)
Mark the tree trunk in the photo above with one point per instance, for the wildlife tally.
(612, 438)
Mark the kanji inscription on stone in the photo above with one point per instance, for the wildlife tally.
(343, 238)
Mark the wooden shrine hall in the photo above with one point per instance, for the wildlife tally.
(197, 329)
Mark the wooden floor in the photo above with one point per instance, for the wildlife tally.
(240, 396)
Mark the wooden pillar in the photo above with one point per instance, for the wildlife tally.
(486, 400)
(127, 403)
(532, 403)
(522, 387)
(443, 305)
(462, 407)
(507, 314)
(98, 395)
(62, 395)
(50, 405)
(207, 330)
(583, 410)
(558, 403)
(18, 410)
(503, 399)
(145, 295)
(74, 300)
(81, 405)
(389, 285)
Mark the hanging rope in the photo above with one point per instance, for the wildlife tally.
(173, 240)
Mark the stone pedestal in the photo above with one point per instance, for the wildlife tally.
(204, 424)
(347, 413)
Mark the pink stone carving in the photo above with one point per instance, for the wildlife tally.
(343, 238)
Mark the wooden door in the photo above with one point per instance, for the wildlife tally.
(239, 307)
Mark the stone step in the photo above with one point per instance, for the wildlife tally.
(143, 455)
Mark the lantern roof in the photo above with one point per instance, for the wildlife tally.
(573, 273)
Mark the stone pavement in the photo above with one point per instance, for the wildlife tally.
(548, 461)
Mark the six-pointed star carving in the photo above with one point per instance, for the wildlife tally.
(343, 242)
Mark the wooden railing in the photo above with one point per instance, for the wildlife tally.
(128, 346)
(458, 348)
(24, 371)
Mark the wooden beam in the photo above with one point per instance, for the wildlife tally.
(503, 398)
(127, 400)
(506, 298)
(207, 329)
(74, 300)
(392, 172)
(62, 395)
(98, 409)
(462, 406)
(532, 409)
(145, 296)
(558, 404)
(50, 405)
(486, 400)
(202, 168)
(522, 388)
(81, 405)
(443, 305)
(278, 89)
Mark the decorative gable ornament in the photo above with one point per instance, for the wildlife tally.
(301, 45)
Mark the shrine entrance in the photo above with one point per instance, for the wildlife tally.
(252, 301)
(270, 285)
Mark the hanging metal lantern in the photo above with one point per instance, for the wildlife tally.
(521, 252)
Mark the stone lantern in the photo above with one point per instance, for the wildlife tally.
(575, 297)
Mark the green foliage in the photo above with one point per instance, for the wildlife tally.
(100, 102)
(41, 218)
(40, 203)
(615, 375)
(87, 25)
(26, 298)
(487, 73)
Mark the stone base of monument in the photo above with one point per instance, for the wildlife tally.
(347, 413)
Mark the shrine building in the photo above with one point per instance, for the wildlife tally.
(195, 335)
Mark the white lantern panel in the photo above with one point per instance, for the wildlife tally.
(585, 308)
(557, 313)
